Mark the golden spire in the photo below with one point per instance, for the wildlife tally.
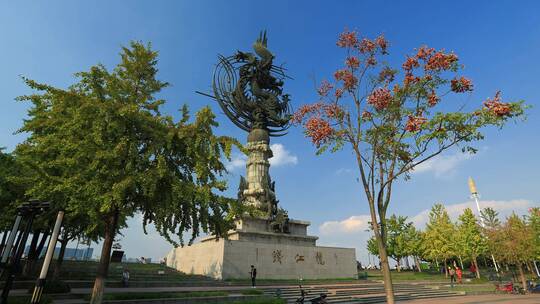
(472, 186)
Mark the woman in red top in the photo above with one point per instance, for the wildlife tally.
(459, 274)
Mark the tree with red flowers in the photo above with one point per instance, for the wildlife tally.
(392, 118)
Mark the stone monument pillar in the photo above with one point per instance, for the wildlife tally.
(279, 247)
(257, 190)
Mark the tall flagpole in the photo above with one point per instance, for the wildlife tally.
(474, 193)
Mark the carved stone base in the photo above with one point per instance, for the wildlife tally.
(275, 255)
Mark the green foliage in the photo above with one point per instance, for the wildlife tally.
(372, 246)
(11, 191)
(533, 220)
(161, 295)
(397, 238)
(102, 147)
(439, 237)
(516, 241)
(490, 218)
(470, 241)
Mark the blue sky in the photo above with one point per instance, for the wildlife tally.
(498, 41)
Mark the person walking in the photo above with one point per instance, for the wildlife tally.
(253, 275)
(459, 274)
(452, 273)
(125, 277)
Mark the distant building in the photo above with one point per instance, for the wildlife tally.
(70, 253)
(75, 254)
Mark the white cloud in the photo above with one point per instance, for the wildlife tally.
(282, 156)
(443, 165)
(356, 223)
(237, 161)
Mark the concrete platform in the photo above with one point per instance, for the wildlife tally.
(291, 255)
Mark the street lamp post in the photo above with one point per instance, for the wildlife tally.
(26, 211)
(474, 193)
(40, 284)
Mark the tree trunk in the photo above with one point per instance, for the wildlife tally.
(522, 276)
(58, 264)
(103, 267)
(529, 268)
(506, 266)
(477, 268)
(407, 262)
(445, 269)
(398, 265)
(461, 262)
(536, 268)
(418, 265)
(32, 255)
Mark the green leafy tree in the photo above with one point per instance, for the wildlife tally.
(515, 238)
(534, 223)
(469, 237)
(104, 149)
(372, 246)
(414, 245)
(397, 239)
(440, 236)
(11, 191)
(490, 217)
(393, 119)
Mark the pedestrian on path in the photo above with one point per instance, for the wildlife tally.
(452, 273)
(125, 277)
(459, 275)
(253, 275)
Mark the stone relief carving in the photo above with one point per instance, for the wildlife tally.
(277, 256)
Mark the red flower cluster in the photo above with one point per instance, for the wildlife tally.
(433, 99)
(460, 85)
(380, 98)
(319, 130)
(338, 93)
(304, 110)
(415, 123)
(371, 60)
(324, 88)
(410, 64)
(349, 80)
(382, 43)
(352, 62)
(387, 74)
(497, 107)
(424, 52)
(440, 61)
(347, 39)
(366, 115)
(367, 46)
(333, 111)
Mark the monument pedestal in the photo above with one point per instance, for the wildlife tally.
(291, 255)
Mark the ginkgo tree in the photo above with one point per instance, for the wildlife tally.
(392, 118)
(104, 150)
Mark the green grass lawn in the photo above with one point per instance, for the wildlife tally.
(26, 300)
(261, 301)
(473, 288)
(407, 276)
(160, 295)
